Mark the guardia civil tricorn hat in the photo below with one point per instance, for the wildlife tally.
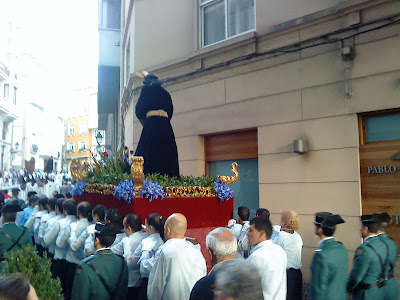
(327, 220)
(11, 208)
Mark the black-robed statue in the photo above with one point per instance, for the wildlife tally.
(157, 144)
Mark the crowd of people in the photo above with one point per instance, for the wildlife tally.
(99, 254)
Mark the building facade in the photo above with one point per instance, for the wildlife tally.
(249, 79)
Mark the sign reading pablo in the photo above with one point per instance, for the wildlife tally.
(385, 169)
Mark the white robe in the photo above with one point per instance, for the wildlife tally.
(179, 265)
(270, 260)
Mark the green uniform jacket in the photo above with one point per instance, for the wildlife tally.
(367, 269)
(87, 284)
(392, 287)
(14, 232)
(329, 271)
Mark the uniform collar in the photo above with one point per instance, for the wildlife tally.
(323, 240)
(103, 251)
(369, 237)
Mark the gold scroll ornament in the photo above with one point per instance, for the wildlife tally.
(230, 179)
(102, 189)
(78, 170)
(190, 191)
(137, 172)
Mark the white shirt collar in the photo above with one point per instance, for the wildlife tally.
(261, 244)
(323, 240)
(101, 249)
(369, 237)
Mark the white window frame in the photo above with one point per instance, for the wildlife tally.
(201, 25)
(80, 143)
(82, 128)
(71, 146)
(71, 126)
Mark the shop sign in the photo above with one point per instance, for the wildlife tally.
(385, 169)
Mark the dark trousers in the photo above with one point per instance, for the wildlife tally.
(70, 280)
(294, 284)
(60, 270)
(133, 293)
(143, 289)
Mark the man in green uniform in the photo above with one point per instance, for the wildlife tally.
(391, 285)
(12, 236)
(369, 277)
(103, 275)
(329, 264)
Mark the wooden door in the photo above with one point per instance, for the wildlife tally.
(380, 177)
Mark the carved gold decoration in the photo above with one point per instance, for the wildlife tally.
(190, 191)
(78, 170)
(137, 172)
(230, 179)
(97, 188)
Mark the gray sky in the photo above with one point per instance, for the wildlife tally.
(61, 35)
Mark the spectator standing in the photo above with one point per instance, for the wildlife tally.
(291, 242)
(222, 249)
(270, 259)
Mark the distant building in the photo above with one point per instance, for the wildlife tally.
(81, 129)
(8, 92)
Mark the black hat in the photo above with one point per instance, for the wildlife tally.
(374, 218)
(31, 193)
(107, 229)
(11, 208)
(325, 221)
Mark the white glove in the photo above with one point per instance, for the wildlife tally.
(246, 226)
(231, 222)
(148, 244)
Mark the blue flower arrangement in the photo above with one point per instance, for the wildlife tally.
(223, 191)
(79, 188)
(125, 191)
(151, 190)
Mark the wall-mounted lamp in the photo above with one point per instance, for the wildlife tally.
(300, 146)
(16, 145)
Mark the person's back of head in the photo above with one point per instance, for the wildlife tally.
(105, 234)
(114, 216)
(238, 280)
(263, 212)
(243, 213)
(59, 196)
(51, 204)
(133, 221)
(15, 193)
(222, 243)
(158, 222)
(175, 226)
(33, 200)
(290, 220)
(84, 210)
(59, 206)
(100, 212)
(385, 220)
(16, 287)
(69, 207)
(43, 203)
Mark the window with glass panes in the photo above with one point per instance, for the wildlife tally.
(223, 19)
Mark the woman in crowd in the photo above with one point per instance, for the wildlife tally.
(134, 235)
(291, 242)
(144, 253)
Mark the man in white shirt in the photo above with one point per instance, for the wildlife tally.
(36, 223)
(73, 257)
(134, 235)
(179, 264)
(51, 206)
(61, 264)
(268, 258)
(52, 229)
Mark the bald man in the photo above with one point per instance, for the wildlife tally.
(179, 264)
